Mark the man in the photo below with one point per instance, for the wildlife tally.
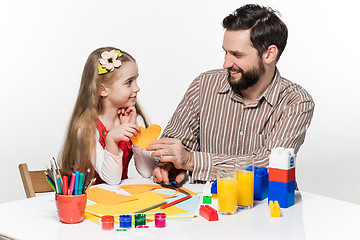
(239, 112)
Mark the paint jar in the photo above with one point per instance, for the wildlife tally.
(140, 219)
(160, 220)
(107, 222)
(125, 221)
(245, 183)
(226, 188)
(70, 208)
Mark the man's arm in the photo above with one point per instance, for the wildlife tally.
(288, 132)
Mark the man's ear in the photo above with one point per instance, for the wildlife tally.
(271, 54)
(103, 91)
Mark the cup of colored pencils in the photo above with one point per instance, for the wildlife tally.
(70, 194)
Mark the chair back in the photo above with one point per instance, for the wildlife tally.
(33, 181)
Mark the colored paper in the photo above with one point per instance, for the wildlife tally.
(165, 193)
(188, 205)
(146, 136)
(144, 200)
(103, 196)
(139, 188)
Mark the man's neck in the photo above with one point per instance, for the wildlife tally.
(252, 93)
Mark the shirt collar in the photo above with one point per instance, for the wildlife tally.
(271, 94)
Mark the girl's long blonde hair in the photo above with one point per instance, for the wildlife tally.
(77, 151)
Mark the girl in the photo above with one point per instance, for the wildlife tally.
(104, 120)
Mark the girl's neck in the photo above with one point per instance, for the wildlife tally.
(110, 119)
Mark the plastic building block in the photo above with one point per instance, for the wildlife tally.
(274, 209)
(260, 193)
(206, 199)
(261, 182)
(282, 158)
(208, 213)
(213, 190)
(284, 193)
(214, 187)
(280, 175)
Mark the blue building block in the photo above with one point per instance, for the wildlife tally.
(261, 182)
(214, 187)
(284, 193)
(260, 193)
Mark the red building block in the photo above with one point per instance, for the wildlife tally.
(208, 213)
(280, 175)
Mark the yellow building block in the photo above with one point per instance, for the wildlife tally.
(274, 209)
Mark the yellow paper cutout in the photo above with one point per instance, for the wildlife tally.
(139, 188)
(144, 200)
(147, 135)
(101, 195)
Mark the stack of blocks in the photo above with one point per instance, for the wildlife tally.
(282, 176)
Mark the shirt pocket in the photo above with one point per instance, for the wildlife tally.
(253, 142)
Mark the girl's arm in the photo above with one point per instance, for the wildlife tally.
(108, 165)
(144, 163)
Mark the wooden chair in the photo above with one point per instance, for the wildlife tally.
(33, 181)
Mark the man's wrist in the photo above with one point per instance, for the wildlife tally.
(190, 163)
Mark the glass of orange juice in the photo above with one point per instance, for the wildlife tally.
(245, 183)
(226, 191)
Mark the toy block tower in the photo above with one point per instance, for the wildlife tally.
(282, 176)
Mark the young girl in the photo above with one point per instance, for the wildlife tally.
(104, 120)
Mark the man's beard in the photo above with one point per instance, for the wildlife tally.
(248, 78)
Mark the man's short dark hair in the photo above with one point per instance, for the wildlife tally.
(265, 26)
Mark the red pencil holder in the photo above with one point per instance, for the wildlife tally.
(71, 209)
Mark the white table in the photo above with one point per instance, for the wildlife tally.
(312, 217)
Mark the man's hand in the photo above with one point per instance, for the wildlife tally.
(163, 171)
(171, 150)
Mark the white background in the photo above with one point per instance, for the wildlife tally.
(44, 45)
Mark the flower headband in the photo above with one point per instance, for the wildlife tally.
(109, 61)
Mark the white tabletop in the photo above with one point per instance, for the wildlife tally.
(312, 217)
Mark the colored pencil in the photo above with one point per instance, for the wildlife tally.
(152, 207)
(91, 182)
(59, 185)
(50, 179)
(50, 182)
(175, 202)
(55, 181)
(50, 173)
(58, 171)
(86, 178)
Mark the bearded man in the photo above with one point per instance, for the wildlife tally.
(239, 112)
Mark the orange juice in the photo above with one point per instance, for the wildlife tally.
(226, 188)
(245, 189)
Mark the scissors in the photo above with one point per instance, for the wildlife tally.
(175, 186)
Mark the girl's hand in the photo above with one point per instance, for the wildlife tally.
(127, 115)
(124, 132)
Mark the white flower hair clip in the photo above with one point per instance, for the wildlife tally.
(109, 61)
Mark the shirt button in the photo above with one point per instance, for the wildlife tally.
(241, 133)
